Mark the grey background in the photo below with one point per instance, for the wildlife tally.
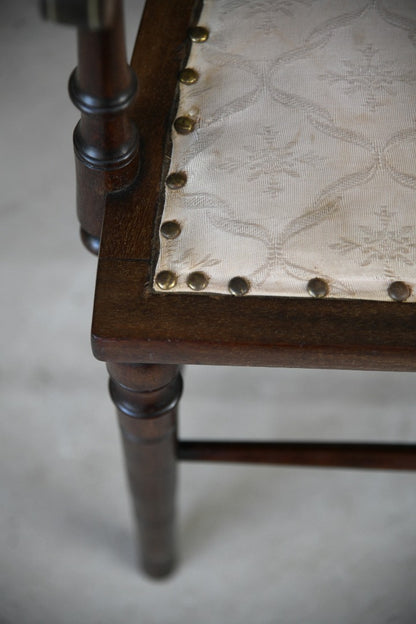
(264, 545)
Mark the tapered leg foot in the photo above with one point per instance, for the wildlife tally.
(146, 397)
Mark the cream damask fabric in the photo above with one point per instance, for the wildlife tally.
(302, 162)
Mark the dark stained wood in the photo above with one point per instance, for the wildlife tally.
(76, 13)
(146, 398)
(103, 88)
(133, 324)
(106, 141)
(329, 454)
(160, 52)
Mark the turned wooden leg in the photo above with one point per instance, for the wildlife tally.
(146, 397)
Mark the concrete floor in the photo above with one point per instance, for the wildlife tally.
(264, 545)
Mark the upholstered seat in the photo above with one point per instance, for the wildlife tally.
(294, 149)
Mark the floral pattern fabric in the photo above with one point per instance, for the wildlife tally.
(302, 162)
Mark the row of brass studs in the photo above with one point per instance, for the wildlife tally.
(188, 76)
(197, 281)
(398, 291)
(172, 229)
(166, 280)
(239, 286)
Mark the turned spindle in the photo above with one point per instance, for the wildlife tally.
(102, 87)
